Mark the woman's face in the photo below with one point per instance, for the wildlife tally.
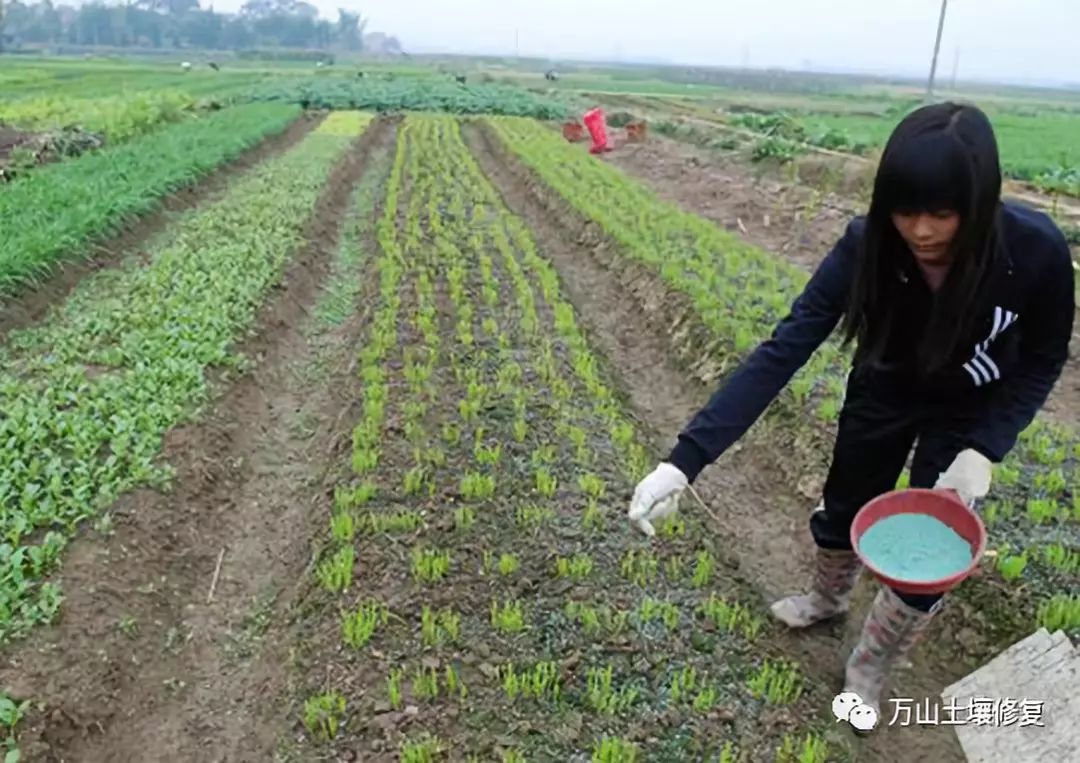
(928, 234)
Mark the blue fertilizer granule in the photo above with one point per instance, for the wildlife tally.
(915, 547)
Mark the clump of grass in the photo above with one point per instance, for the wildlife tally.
(322, 715)
(425, 683)
(596, 620)
(336, 571)
(592, 518)
(538, 682)
(1011, 566)
(614, 750)
(429, 565)
(602, 695)
(778, 683)
(508, 564)
(704, 566)
(508, 617)
(546, 482)
(395, 522)
(731, 617)
(477, 487)
(393, 687)
(343, 527)
(464, 518)
(359, 626)
(427, 749)
(1061, 558)
(1060, 612)
(577, 567)
(653, 609)
(439, 627)
(639, 566)
(534, 517)
(812, 749)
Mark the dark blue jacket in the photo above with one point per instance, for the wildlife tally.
(1021, 345)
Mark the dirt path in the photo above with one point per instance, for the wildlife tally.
(788, 219)
(143, 664)
(34, 302)
(761, 520)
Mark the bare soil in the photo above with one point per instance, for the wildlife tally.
(31, 303)
(144, 664)
(796, 221)
(759, 518)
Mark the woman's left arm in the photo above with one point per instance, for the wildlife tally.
(1047, 328)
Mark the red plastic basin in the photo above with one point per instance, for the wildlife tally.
(945, 506)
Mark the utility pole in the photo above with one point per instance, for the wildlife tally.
(937, 47)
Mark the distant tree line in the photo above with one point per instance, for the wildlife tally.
(183, 23)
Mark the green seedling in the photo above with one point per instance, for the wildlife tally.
(477, 487)
(429, 565)
(543, 455)
(1011, 566)
(704, 566)
(335, 572)
(451, 434)
(464, 518)
(487, 455)
(1059, 612)
(538, 682)
(453, 683)
(653, 609)
(1052, 482)
(778, 683)
(322, 715)
(705, 700)
(1042, 510)
(534, 517)
(352, 497)
(358, 627)
(602, 695)
(508, 617)
(734, 618)
(592, 486)
(682, 684)
(439, 627)
(393, 687)
(343, 527)
(520, 430)
(546, 483)
(1061, 558)
(425, 683)
(415, 480)
(577, 567)
(639, 566)
(593, 518)
(672, 527)
(812, 749)
(1006, 475)
(595, 620)
(615, 750)
(425, 750)
(391, 523)
(508, 564)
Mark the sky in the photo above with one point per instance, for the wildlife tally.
(1005, 40)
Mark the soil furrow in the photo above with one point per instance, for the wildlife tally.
(158, 669)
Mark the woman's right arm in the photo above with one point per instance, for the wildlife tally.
(757, 381)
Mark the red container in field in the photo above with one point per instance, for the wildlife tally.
(597, 125)
(943, 505)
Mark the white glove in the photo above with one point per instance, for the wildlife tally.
(968, 475)
(657, 496)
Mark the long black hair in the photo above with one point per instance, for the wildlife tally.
(940, 157)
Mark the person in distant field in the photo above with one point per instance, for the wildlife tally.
(961, 306)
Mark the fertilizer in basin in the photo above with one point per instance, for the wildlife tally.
(915, 547)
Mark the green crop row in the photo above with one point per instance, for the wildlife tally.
(409, 94)
(53, 212)
(739, 293)
(116, 118)
(88, 396)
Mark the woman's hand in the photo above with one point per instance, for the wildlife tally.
(657, 496)
(968, 475)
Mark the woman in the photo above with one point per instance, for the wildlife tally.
(961, 307)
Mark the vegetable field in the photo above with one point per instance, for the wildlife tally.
(331, 461)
